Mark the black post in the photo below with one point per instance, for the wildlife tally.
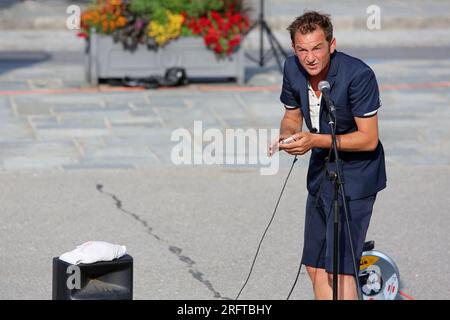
(261, 34)
(339, 186)
(334, 177)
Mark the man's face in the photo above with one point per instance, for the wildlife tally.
(313, 50)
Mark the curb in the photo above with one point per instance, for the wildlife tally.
(279, 23)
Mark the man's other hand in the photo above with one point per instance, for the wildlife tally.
(303, 142)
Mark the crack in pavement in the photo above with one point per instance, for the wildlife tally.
(196, 274)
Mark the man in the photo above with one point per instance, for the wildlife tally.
(354, 91)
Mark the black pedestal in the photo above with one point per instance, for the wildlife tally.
(105, 280)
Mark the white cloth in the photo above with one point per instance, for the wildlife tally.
(314, 107)
(93, 251)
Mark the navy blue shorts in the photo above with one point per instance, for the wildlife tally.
(318, 242)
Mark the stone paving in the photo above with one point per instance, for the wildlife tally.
(78, 129)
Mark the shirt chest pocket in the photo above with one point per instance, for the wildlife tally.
(344, 118)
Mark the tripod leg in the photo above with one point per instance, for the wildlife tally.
(261, 34)
(274, 39)
(355, 265)
(335, 240)
(274, 49)
(250, 29)
(261, 59)
(261, 45)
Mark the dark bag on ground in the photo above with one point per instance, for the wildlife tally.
(174, 77)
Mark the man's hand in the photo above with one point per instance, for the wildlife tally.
(290, 124)
(275, 145)
(304, 141)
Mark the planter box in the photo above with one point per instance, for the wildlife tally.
(106, 59)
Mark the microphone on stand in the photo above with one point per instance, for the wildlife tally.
(324, 88)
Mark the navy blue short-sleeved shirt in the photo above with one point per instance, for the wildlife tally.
(355, 93)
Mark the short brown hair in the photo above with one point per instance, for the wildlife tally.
(309, 21)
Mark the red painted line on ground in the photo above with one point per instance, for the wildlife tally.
(406, 86)
(207, 88)
(239, 88)
(406, 296)
(70, 90)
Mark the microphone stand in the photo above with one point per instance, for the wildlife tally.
(338, 181)
(275, 46)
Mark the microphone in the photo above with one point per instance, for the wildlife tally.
(324, 87)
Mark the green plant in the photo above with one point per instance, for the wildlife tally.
(156, 9)
(220, 23)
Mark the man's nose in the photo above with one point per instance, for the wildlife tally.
(310, 57)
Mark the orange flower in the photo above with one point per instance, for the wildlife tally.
(121, 21)
(86, 16)
(95, 18)
(110, 10)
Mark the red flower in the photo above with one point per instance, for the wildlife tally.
(222, 30)
(204, 22)
(226, 28)
(217, 18)
(235, 19)
(212, 36)
(82, 35)
(235, 41)
(215, 15)
(194, 26)
(218, 48)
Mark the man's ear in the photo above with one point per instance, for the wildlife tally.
(332, 45)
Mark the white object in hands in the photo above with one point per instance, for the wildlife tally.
(94, 251)
(275, 145)
(288, 140)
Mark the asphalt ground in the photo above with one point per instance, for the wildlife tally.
(193, 232)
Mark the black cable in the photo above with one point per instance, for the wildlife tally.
(341, 189)
(296, 278)
(352, 249)
(309, 222)
(267, 228)
(273, 216)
